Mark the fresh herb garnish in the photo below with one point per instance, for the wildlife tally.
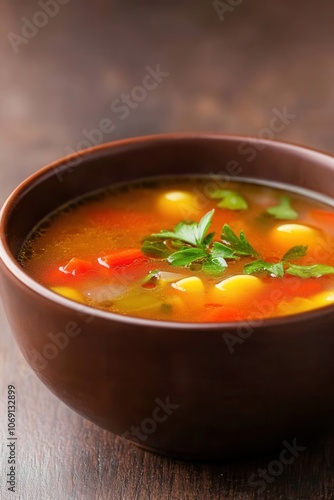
(191, 233)
(221, 251)
(190, 245)
(241, 245)
(283, 210)
(313, 271)
(155, 249)
(216, 262)
(278, 269)
(184, 258)
(257, 266)
(295, 253)
(193, 245)
(214, 266)
(230, 200)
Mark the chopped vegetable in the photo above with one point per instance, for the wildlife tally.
(121, 258)
(290, 235)
(180, 204)
(69, 293)
(230, 200)
(191, 284)
(76, 266)
(138, 301)
(104, 294)
(236, 289)
(300, 304)
(283, 210)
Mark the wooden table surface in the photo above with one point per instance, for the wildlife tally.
(230, 71)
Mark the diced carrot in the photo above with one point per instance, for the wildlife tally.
(121, 258)
(323, 216)
(76, 266)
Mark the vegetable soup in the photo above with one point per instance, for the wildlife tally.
(189, 249)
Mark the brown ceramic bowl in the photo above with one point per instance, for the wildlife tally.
(173, 388)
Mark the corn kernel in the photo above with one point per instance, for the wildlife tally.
(294, 306)
(300, 304)
(323, 299)
(191, 284)
(237, 288)
(69, 293)
(290, 235)
(180, 204)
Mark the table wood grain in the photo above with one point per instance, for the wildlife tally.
(230, 75)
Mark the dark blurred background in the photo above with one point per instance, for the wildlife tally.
(229, 68)
(253, 67)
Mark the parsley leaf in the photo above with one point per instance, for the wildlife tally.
(208, 239)
(283, 210)
(260, 266)
(186, 257)
(295, 253)
(240, 245)
(214, 265)
(230, 200)
(221, 251)
(191, 233)
(182, 232)
(189, 244)
(155, 249)
(313, 271)
(203, 226)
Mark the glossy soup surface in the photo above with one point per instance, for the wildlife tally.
(274, 258)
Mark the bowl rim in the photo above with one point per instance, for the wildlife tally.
(14, 268)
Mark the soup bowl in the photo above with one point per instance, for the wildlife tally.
(188, 390)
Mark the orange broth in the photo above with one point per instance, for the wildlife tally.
(90, 252)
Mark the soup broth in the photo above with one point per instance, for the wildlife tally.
(193, 249)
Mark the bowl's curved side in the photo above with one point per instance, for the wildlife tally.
(179, 393)
(177, 390)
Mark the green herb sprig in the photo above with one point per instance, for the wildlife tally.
(230, 200)
(283, 210)
(195, 245)
(192, 243)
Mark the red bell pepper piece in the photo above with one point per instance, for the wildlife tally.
(76, 266)
(121, 258)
